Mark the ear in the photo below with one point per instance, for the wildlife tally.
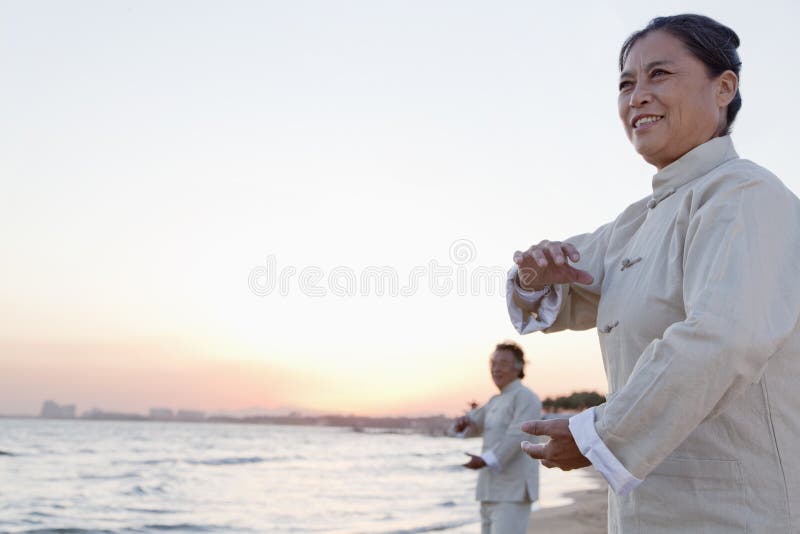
(728, 83)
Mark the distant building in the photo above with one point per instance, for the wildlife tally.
(53, 410)
(161, 414)
(190, 415)
(96, 413)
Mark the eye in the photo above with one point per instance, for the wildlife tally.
(658, 72)
(624, 85)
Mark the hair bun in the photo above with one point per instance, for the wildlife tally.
(734, 38)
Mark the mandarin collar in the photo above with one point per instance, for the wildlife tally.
(511, 386)
(698, 162)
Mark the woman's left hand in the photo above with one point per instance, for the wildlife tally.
(560, 451)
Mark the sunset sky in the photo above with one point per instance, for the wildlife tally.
(164, 163)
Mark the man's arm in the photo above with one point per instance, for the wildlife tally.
(472, 423)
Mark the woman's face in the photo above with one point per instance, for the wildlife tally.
(667, 101)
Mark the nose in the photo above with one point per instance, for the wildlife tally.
(640, 95)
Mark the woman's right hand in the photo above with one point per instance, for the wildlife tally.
(546, 264)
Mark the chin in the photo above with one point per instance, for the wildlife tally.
(647, 149)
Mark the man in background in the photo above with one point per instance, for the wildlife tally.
(508, 481)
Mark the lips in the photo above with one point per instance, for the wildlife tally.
(645, 119)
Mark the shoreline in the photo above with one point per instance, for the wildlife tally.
(587, 515)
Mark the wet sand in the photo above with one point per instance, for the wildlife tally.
(587, 515)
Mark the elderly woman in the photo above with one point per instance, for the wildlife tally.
(695, 294)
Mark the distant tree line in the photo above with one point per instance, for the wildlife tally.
(577, 401)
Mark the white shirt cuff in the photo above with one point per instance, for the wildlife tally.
(522, 302)
(585, 435)
(491, 460)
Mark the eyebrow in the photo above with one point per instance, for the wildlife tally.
(649, 66)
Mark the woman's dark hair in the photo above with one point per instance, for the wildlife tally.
(519, 356)
(706, 39)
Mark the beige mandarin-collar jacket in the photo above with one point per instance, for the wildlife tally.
(500, 422)
(696, 298)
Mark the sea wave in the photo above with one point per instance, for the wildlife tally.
(67, 530)
(95, 476)
(151, 511)
(229, 461)
(186, 527)
(182, 527)
(157, 461)
(269, 476)
(436, 527)
(150, 490)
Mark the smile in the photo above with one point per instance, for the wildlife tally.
(642, 120)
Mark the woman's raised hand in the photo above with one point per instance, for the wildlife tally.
(546, 263)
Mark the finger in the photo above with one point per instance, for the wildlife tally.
(534, 450)
(538, 255)
(548, 464)
(554, 251)
(570, 250)
(518, 257)
(579, 276)
(537, 428)
(558, 429)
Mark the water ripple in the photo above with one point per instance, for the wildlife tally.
(184, 526)
(228, 461)
(67, 531)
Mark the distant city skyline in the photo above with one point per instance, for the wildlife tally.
(55, 410)
(437, 424)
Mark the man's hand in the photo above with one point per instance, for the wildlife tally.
(461, 423)
(560, 451)
(475, 462)
(546, 263)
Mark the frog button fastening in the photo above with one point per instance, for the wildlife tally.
(627, 262)
(609, 327)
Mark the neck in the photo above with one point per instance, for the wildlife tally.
(504, 386)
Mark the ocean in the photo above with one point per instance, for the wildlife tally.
(81, 476)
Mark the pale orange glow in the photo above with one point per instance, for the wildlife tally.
(136, 213)
(136, 376)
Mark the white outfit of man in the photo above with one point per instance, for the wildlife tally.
(510, 482)
(696, 298)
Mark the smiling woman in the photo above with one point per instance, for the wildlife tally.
(671, 92)
(693, 292)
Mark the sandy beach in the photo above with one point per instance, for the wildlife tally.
(587, 515)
